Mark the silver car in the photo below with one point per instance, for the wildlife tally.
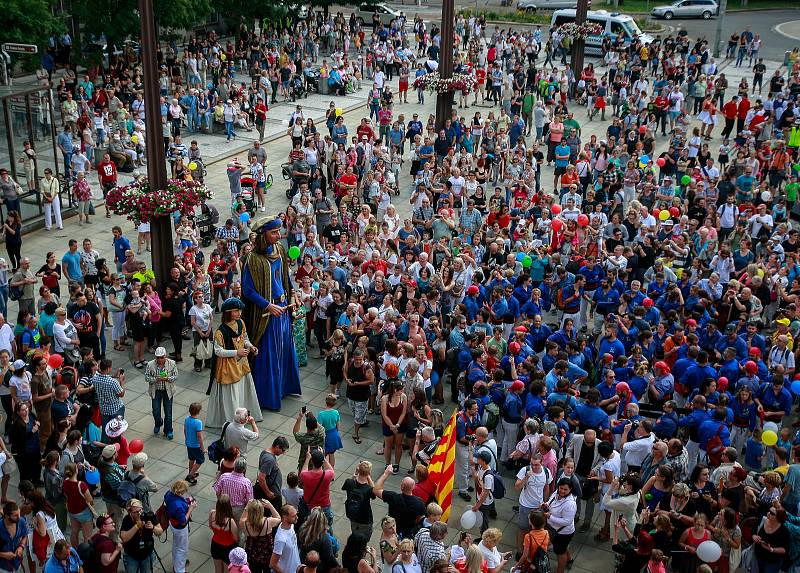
(531, 6)
(687, 9)
(387, 14)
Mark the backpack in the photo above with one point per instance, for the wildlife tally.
(560, 304)
(491, 416)
(128, 489)
(86, 551)
(14, 292)
(715, 447)
(68, 376)
(499, 489)
(218, 446)
(354, 504)
(540, 561)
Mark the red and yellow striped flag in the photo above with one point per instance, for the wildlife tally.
(441, 470)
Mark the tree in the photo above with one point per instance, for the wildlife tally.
(237, 11)
(119, 19)
(29, 22)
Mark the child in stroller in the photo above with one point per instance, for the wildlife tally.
(206, 223)
(297, 87)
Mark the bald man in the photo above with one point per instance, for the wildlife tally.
(407, 509)
(583, 451)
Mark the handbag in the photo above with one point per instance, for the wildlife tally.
(218, 446)
(9, 466)
(747, 560)
(204, 350)
(91, 208)
(734, 558)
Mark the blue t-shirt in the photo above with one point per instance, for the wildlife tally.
(753, 452)
(191, 427)
(120, 246)
(72, 264)
(562, 150)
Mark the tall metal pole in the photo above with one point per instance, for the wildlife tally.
(444, 101)
(579, 44)
(723, 6)
(161, 227)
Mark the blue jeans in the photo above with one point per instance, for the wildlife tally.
(229, 130)
(193, 122)
(4, 300)
(134, 566)
(161, 398)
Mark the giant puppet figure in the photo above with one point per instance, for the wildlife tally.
(267, 294)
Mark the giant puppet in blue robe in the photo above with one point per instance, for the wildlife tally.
(267, 291)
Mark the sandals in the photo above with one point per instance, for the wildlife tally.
(356, 439)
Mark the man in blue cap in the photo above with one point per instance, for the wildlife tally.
(266, 291)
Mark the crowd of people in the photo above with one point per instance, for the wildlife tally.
(622, 334)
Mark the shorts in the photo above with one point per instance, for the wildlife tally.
(195, 455)
(388, 433)
(359, 411)
(561, 542)
(261, 185)
(561, 170)
(107, 187)
(523, 518)
(221, 552)
(85, 516)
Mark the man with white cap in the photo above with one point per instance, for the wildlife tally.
(160, 374)
(111, 475)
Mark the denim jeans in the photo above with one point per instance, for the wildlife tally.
(229, 130)
(134, 566)
(4, 300)
(161, 397)
(193, 122)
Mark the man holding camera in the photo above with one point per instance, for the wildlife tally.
(466, 424)
(139, 529)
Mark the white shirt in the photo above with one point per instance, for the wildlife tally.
(758, 221)
(6, 338)
(286, 547)
(532, 494)
(636, 451)
(728, 216)
(562, 512)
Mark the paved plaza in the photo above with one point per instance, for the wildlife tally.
(167, 461)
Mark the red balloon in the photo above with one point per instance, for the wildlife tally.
(674, 211)
(136, 446)
(583, 220)
(661, 162)
(656, 212)
(556, 209)
(648, 302)
(557, 224)
(55, 361)
(642, 130)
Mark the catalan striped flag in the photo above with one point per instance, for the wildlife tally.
(442, 469)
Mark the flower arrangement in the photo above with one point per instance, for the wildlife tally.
(579, 31)
(434, 83)
(141, 203)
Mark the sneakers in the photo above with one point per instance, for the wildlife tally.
(156, 430)
(170, 435)
(465, 496)
(395, 469)
(192, 479)
(585, 526)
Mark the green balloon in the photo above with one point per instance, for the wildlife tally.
(796, 166)
(294, 252)
(527, 261)
(685, 180)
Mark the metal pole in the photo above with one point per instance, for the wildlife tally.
(579, 44)
(444, 101)
(723, 6)
(161, 227)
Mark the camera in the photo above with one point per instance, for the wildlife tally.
(149, 516)
(470, 438)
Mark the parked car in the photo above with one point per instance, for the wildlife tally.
(364, 13)
(612, 24)
(531, 6)
(687, 9)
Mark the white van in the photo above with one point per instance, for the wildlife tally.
(612, 23)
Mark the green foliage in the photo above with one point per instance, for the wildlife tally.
(29, 22)
(236, 11)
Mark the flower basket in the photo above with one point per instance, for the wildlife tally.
(579, 31)
(141, 203)
(434, 83)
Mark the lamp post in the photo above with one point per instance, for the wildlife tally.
(579, 44)
(444, 101)
(160, 227)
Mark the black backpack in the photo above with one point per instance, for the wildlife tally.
(88, 554)
(128, 488)
(354, 504)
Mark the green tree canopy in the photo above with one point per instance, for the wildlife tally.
(29, 22)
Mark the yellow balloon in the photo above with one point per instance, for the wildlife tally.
(134, 139)
(760, 272)
(193, 166)
(664, 215)
(769, 438)
(338, 111)
(223, 57)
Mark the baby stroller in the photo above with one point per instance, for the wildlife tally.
(247, 195)
(206, 224)
(312, 80)
(297, 87)
(199, 171)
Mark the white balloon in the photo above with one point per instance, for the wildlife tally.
(771, 426)
(468, 519)
(478, 518)
(766, 196)
(709, 551)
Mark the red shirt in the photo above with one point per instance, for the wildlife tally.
(322, 496)
(744, 107)
(73, 491)
(107, 171)
(729, 110)
(347, 179)
(365, 130)
(103, 544)
(261, 111)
